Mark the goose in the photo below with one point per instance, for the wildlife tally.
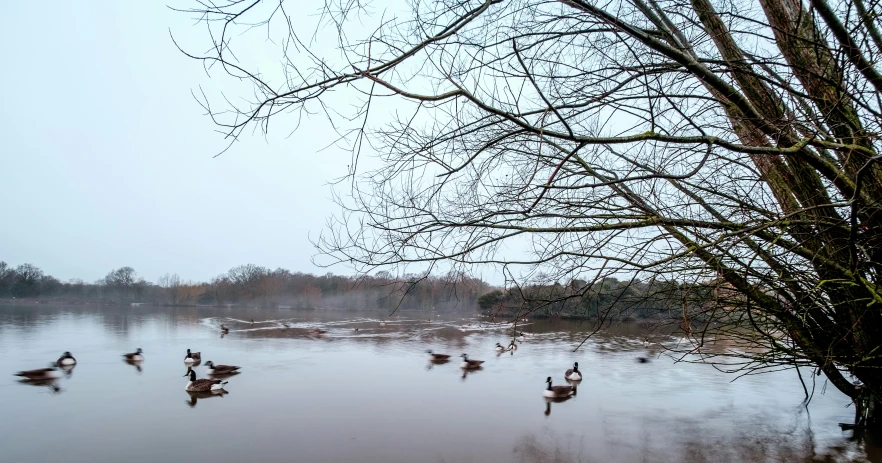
(521, 338)
(193, 357)
(202, 385)
(499, 348)
(224, 329)
(40, 374)
(286, 326)
(437, 357)
(555, 392)
(136, 356)
(512, 346)
(252, 321)
(573, 374)
(66, 360)
(646, 342)
(220, 369)
(470, 364)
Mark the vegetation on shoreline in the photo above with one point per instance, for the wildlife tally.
(252, 285)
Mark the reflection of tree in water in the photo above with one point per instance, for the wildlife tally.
(744, 442)
(548, 449)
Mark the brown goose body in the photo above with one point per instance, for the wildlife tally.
(39, 374)
(204, 384)
(437, 357)
(220, 369)
(66, 359)
(573, 374)
(136, 356)
(470, 364)
(555, 392)
(192, 357)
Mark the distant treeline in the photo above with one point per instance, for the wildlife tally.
(608, 298)
(252, 285)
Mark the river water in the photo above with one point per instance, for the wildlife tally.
(371, 395)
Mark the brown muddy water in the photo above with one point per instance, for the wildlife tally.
(372, 396)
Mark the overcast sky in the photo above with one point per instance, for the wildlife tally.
(107, 160)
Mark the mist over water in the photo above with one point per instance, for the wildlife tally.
(371, 395)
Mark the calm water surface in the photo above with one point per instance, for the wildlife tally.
(371, 395)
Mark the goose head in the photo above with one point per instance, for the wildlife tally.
(139, 351)
(209, 364)
(191, 374)
(576, 366)
(66, 354)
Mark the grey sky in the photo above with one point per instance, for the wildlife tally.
(106, 158)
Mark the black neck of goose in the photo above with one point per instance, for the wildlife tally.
(549, 385)
(192, 375)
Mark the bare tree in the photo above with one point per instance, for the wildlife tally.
(171, 284)
(125, 281)
(705, 142)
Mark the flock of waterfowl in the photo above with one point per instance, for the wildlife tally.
(216, 384)
(66, 363)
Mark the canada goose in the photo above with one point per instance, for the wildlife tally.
(224, 329)
(521, 338)
(573, 374)
(554, 392)
(469, 364)
(356, 330)
(646, 342)
(499, 348)
(252, 321)
(220, 369)
(136, 356)
(512, 346)
(286, 326)
(192, 357)
(202, 385)
(437, 357)
(40, 374)
(66, 360)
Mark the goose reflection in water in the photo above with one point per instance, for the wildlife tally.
(222, 375)
(67, 370)
(468, 371)
(433, 362)
(135, 363)
(195, 396)
(549, 400)
(50, 383)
